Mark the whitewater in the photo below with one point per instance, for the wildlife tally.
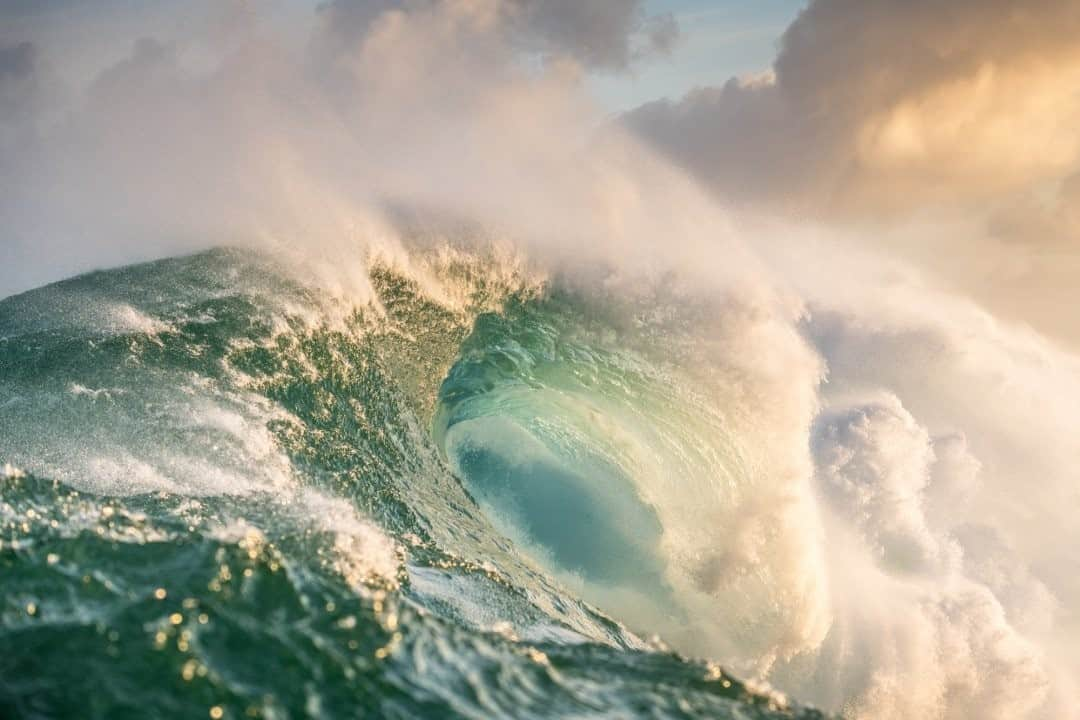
(372, 370)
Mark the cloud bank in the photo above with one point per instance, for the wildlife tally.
(887, 105)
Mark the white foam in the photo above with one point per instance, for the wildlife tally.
(362, 552)
(80, 390)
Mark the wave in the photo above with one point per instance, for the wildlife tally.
(477, 493)
(477, 486)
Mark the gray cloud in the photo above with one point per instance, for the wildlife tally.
(18, 89)
(16, 61)
(880, 105)
(600, 34)
(604, 34)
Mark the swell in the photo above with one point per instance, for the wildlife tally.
(222, 489)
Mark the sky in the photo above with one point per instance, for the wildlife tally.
(718, 39)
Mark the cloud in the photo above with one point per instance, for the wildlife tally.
(16, 61)
(1053, 221)
(607, 34)
(19, 92)
(879, 105)
(952, 125)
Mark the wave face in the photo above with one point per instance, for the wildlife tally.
(226, 492)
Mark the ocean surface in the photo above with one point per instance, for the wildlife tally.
(228, 493)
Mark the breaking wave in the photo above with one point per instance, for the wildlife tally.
(482, 490)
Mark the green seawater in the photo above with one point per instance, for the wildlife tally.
(227, 494)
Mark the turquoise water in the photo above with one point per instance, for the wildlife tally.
(228, 494)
